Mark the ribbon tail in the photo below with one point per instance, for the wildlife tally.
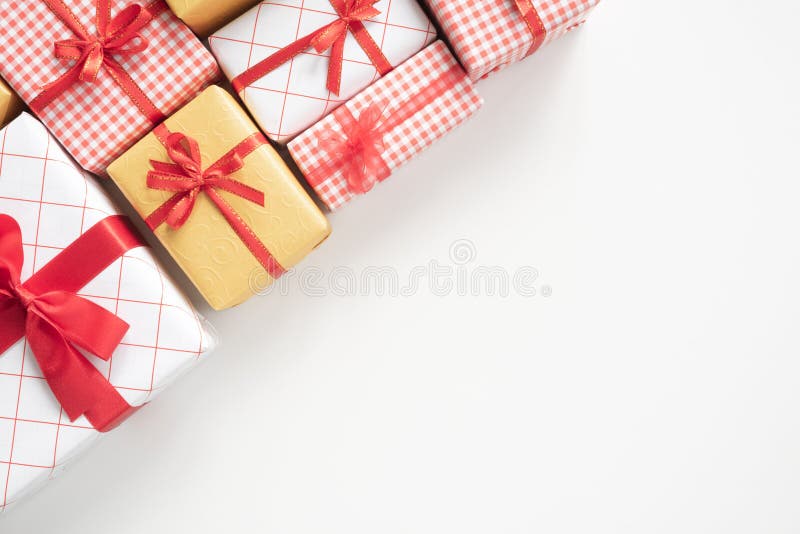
(248, 237)
(77, 385)
(336, 64)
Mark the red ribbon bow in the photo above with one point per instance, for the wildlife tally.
(360, 147)
(56, 322)
(352, 14)
(187, 178)
(357, 146)
(116, 37)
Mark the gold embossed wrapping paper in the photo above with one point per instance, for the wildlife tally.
(10, 104)
(208, 249)
(206, 16)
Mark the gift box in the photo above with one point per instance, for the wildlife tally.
(101, 73)
(220, 199)
(90, 326)
(397, 117)
(10, 104)
(490, 34)
(293, 62)
(205, 16)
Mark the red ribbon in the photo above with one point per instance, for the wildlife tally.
(118, 36)
(534, 22)
(187, 179)
(358, 148)
(352, 14)
(57, 323)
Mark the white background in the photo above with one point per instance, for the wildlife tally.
(647, 166)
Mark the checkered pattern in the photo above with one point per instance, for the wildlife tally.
(55, 202)
(96, 122)
(294, 97)
(490, 34)
(435, 120)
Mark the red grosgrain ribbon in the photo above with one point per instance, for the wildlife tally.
(358, 147)
(187, 178)
(534, 22)
(118, 36)
(56, 322)
(352, 14)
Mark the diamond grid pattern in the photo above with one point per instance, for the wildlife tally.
(491, 34)
(439, 117)
(96, 122)
(294, 97)
(55, 202)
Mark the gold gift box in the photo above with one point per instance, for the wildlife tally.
(208, 250)
(206, 16)
(10, 104)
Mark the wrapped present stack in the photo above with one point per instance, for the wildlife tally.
(91, 326)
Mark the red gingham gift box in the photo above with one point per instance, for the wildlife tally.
(55, 203)
(487, 35)
(97, 120)
(294, 96)
(415, 105)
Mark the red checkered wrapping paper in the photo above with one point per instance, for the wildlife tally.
(96, 122)
(55, 202)
(436, 119)
(488, 35)
(294, 97)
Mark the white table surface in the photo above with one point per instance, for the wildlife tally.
(647, 167)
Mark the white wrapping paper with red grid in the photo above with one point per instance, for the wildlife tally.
(436, 117)
(55, 202)
(96, 122)
(294, 97)
(491, 34)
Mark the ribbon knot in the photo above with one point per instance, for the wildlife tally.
(335, 33)
(56, 322)
(359, 146)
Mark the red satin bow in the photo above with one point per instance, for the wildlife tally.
(187, 178)
(116, 37)
(360, 147)
(352, 14)
(56, 322)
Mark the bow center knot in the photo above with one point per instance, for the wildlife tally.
(23, 296)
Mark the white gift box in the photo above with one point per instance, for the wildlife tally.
(294, 96)
(54, 203)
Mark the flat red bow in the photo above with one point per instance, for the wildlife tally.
(188, 179)
(352, 14)
(118, 36)
(359, 146)
(56, 322)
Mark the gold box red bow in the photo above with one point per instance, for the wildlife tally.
(220, 199)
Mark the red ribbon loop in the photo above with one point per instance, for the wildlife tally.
(56, 322)
(187, 179)
(118, 37)
(333, 36)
